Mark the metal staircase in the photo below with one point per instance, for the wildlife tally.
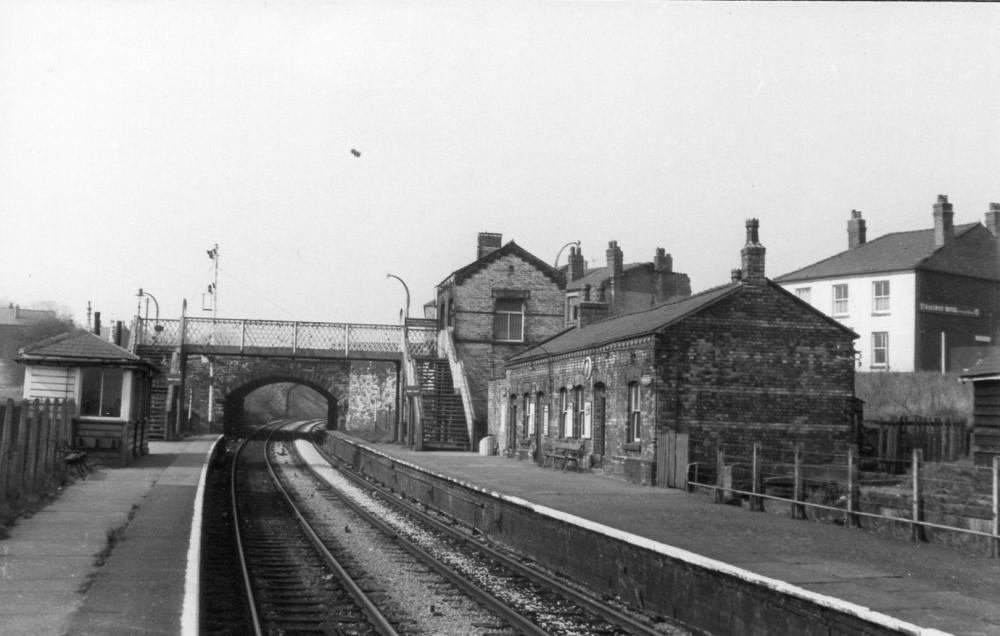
(442, 413)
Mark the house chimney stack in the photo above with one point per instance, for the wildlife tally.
(663, 262)
(944, 229)
(753, 255)
(576, 266)
(993, 219)
(856, 231)
(488, 242)
(615, 267)
(97, 323)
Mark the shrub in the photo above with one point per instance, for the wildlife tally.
(919, 394)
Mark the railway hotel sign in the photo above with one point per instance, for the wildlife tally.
(951, 310)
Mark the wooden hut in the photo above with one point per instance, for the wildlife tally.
(109, 386)
(985, 378)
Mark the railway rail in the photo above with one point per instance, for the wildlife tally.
(412, 572)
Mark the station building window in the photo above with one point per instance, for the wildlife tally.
(634, 413)
(508, 320)
(566, 416)
(880, 296)
(840, 300)
(880, 349)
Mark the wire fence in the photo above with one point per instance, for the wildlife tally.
(830, 484)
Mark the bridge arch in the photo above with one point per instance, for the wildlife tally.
(233, 397)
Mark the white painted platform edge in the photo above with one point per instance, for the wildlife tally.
(190, 613)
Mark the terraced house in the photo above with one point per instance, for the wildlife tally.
(921, 300)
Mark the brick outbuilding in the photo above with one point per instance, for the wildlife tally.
(650, 392)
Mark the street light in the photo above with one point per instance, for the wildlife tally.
(559, 253)
(157, 326)
(407, 292)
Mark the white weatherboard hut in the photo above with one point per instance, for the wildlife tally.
(109, 386)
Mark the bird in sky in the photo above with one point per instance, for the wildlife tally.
(355, 152)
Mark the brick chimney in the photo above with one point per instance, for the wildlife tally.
(488, 242)
(944, 229)
(993, 219)
(576, 268)
(589, 311)
(615, 266)
(856, 231)
(753, 255)
(663, 262)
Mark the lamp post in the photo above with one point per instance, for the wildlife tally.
(145, 294)
(559, 253)
(407, 289)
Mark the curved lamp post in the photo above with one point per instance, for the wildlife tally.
(143, 293)
(559, 253)
(407, 289)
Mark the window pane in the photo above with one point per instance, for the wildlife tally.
(90, 392)
(111, 394)
(514, 333)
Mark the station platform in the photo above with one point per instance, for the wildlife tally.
(108, 556)
(51, 581)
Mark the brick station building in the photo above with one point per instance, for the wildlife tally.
(651, 391)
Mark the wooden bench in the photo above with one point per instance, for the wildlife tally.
(565, 451)
(75, 458)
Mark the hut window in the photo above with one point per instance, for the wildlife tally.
(101, 392)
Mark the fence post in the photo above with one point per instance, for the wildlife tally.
(798, 510)
(6, 446)
(756, 503)
(851, 519)
(996, 507)
(720, 467)
(918, 533)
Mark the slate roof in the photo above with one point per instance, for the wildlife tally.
(78, 347)
(988, 365)
(594, 277)
(627, 326)
(900, 251)
(461, 274)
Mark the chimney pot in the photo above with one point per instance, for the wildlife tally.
(944, 229)
(615, 268)
(857, 234)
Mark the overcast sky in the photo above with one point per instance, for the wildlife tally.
(136, 135)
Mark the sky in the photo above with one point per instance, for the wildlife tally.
(136, 135)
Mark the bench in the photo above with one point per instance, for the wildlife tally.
(75, 458)
(565, 451)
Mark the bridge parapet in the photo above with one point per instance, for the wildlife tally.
(236, 336)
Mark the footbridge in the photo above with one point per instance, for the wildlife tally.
(386, 381)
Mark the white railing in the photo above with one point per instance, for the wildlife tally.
(206, 335)
(445, 343)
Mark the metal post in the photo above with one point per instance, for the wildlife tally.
(918, 530)
(720, 467)
(851, 519)
(797, 510)
(756, 503)
(996, 507)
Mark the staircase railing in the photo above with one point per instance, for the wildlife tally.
(446, 349)
(412, 402)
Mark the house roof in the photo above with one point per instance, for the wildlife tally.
(898, 251)
(987, 367)
(594, 277)
(78, 347)
(511, 248)
(627, 326)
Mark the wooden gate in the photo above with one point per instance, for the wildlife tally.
(672, 460)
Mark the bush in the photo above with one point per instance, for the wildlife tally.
(919, 394)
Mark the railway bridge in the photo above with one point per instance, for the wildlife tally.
(386, 379)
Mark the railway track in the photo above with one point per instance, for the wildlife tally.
(421, 574)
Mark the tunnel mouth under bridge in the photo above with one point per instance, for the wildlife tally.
(234, 415)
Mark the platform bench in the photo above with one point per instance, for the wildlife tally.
(565, 452)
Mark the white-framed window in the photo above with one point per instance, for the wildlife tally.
(634, 413)
(545, 419)
(840, 299)
(101, 392)
(588, 419)
(527, 427)
(508, 320)
(531, 419)
(577, 411)
(880, 296)
(880, 349)
(804, 293)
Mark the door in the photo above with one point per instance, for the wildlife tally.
(672, 460)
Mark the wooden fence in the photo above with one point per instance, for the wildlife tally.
(891, 443)
(33, 438)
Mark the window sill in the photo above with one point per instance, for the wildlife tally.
(632, 447)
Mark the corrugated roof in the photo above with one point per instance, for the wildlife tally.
(898, 251)
(77, 346)
(627, 326)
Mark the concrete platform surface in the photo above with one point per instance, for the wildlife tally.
(930, 585)
(51, 581)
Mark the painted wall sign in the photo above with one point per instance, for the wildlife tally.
(951, 310)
